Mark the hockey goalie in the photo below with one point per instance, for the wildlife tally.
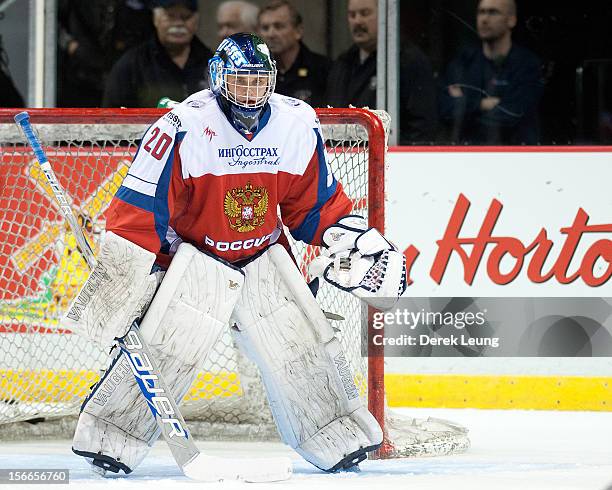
(195, 246)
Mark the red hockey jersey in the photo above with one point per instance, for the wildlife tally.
(195, 178)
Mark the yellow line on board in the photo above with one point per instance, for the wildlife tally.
(64, 386)
(403, 390)
(500, 392)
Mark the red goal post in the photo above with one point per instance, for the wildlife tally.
(338, 117)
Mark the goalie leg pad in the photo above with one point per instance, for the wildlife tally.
(117, 291)
(184, 321)
(309, 383)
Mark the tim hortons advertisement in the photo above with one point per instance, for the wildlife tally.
(508, 253)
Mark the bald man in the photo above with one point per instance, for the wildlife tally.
(236, 16)
(490, 94)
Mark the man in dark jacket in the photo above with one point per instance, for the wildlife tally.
(172, 64)
(302, 74)
(9, 95)
(352, 79)
(490, 93)
(93, 35)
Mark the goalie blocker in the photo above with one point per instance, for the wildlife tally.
(276, 321)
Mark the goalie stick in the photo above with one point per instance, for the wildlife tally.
(165, 410)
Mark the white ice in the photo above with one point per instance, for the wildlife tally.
(516, 450)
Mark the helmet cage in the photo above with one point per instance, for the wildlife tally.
(242, 74)
(247, 88)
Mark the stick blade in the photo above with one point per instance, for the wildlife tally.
(211, 469)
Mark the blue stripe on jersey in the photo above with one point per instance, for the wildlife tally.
(308, 228)
(161, 212)
(135, 198)
(157, 205)
(263, 119)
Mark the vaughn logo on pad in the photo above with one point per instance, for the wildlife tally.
(98, 276)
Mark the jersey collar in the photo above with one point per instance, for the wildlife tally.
(263, 121)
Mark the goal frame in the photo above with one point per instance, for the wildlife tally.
(376, 150)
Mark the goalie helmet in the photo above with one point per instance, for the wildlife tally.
(242, 75)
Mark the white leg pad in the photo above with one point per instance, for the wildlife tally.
(117, 291)
(309, 383)
(190, 312)
(185, 319)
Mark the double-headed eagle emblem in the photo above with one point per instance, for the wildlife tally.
(246, 207)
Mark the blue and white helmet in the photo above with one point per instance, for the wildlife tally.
(242, 74)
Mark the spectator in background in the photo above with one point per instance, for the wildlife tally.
(9, 95)
(490, 93)
(302, 74)
(92, 37)
(352, 79)
(171, 64)
(236, 16)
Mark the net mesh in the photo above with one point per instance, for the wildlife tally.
(45, 371)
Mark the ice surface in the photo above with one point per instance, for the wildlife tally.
(517, 450)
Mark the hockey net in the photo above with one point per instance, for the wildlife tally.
(45, 371)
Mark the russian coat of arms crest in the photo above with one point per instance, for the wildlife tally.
(246, 207)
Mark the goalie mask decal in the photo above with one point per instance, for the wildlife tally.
(246, 207)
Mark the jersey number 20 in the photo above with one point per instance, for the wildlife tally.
(161, 144)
